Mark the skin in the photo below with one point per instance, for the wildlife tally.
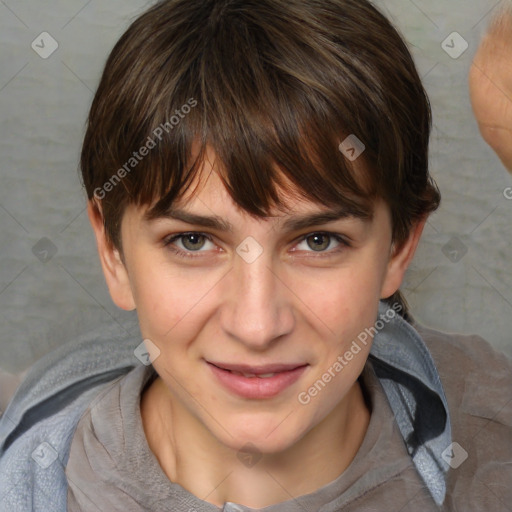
(490, 84)
(292, 304)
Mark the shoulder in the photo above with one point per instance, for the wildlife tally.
(32, 466)
(477, 380)
(476, 377)
(37, 427)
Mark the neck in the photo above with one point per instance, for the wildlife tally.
(193, 458)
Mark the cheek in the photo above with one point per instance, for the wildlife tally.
(345, 300)
(170, 300)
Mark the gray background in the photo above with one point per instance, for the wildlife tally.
(51, 286)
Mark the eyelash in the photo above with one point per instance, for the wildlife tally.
(182, 254)
(168, 243)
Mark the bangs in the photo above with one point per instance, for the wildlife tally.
(261, 155)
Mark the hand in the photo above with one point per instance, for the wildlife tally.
(490, 85)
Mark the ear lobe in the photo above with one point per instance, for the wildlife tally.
(400, 259)
(114, 269)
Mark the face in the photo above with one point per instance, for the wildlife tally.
(248, 313)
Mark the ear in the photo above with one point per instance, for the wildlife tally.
(400, 259)
(114, 269)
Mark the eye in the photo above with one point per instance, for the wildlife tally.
(319, 242)
(183, 244)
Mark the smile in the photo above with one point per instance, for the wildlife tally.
(256, 382)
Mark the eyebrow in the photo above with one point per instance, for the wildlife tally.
(295, 223)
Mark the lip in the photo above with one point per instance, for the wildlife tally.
(256, 387)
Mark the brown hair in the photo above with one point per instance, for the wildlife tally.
(273, 86)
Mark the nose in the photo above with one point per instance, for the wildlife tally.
(257, 307)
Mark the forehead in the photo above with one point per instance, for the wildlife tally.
(208, 191)
(207, 202)
(208, 183)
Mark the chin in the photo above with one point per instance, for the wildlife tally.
(262, 436)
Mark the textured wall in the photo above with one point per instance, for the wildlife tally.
(51, 288)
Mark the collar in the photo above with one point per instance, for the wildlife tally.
(411, 382)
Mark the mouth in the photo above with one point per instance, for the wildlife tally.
(257, 381)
